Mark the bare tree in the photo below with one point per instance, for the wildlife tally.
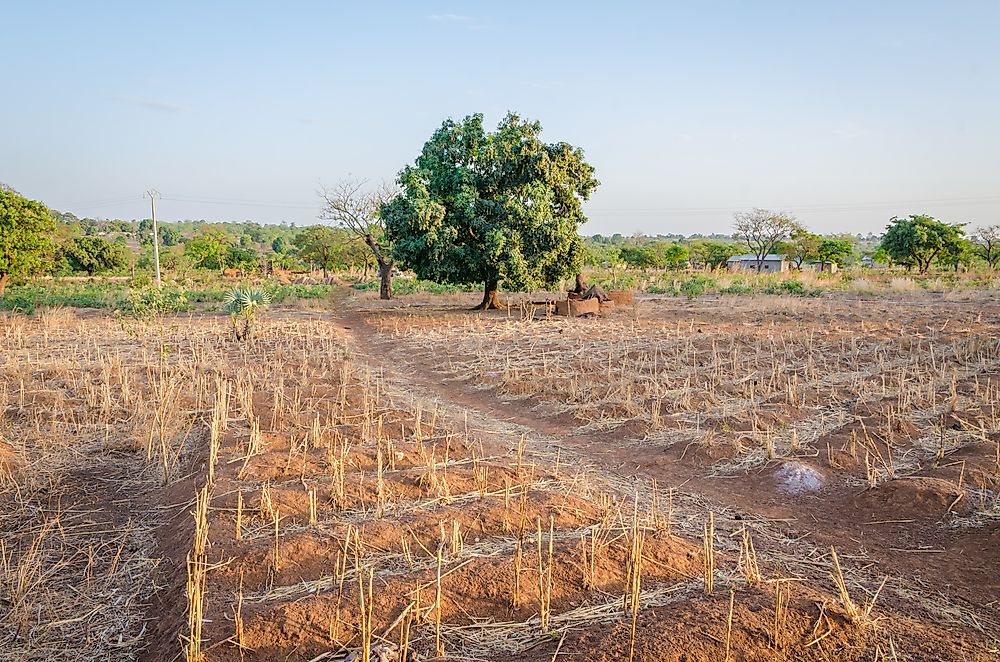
(987, 242)
(762, 230)
(353, 206)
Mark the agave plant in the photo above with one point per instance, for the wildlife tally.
(243, 305)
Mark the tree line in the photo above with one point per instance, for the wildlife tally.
(495, 208)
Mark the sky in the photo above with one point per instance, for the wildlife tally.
(842, 113)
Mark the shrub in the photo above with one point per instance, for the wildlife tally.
(793, 287)
(142, 305)
(737, 286)
(697, 285)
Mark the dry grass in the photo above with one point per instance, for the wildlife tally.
(331, 490)
(753, 386)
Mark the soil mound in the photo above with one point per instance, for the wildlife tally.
(917, 498)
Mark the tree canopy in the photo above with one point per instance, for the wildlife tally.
(209, 249)
(491, 207)
(25, 226)
(832, 250)
(319, 245)
(712, 254)
(94, 255)
(987, 240)
(918, 240)
(803, 247)
(762, 230)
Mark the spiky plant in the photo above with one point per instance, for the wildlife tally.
(243, 305)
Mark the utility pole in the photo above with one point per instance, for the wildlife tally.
(153, 195)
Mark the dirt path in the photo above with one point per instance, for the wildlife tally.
(934, 574)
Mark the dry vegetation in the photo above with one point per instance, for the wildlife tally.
(877, 394)
(321, 493)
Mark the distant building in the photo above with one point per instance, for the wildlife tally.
(824, 267)
(869, 263)
(771, 263)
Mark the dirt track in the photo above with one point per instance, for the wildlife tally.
(937, 573)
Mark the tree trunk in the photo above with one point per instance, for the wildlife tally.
(490, 299)
(4, 279)
(385, 276)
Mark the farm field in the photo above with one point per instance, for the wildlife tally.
(751, 478)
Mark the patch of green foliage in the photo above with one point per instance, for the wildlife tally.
(697, 285)
(144, 304)
(138, 299)
(738, 287)
(793, 287)
(28, 298)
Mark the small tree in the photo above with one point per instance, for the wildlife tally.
(491, 207)
(25, 226)
(762, 230)
(804, 245)
(244, 304)
(356, 210)
(958, 253)
(832, 250)
(918, 240)
(641, 257)
(245, 259)
(319, 245)
(987, 242)
(94, 255)
(209, 249)
(673, 255)
(712, 254)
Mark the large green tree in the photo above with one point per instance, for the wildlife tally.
(491, 207)
(918, 240)
(94, 255)
(25, 226)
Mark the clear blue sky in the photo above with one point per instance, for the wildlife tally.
(844, 113)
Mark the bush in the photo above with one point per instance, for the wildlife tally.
(280, 293)
(28, 298)
(737, 286)
(697, 285)
(149, 302)
(793, 287)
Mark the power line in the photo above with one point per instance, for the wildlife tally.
(102, 203)
(831, 207)
(638, 211)
(242, 203)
